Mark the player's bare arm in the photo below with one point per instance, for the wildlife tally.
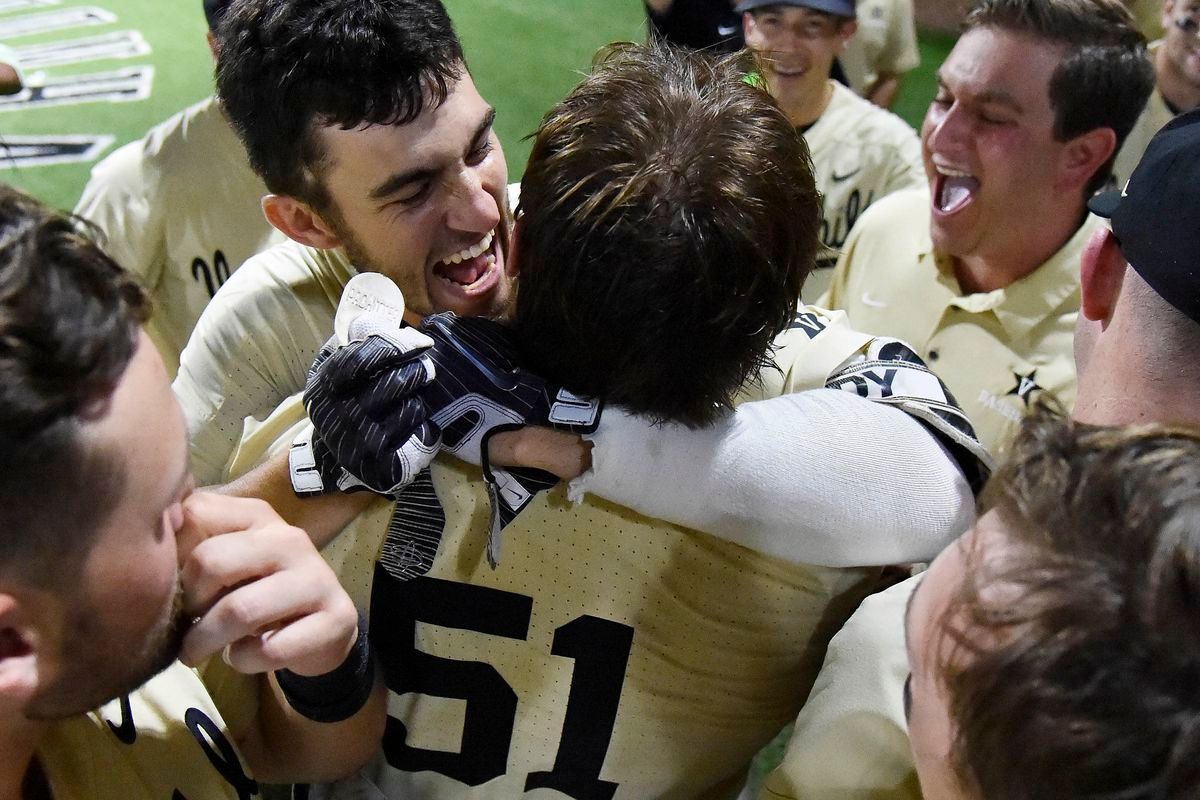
(322, 516)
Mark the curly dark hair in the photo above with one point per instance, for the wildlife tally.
(1105, 76)
(668, 219)
(286, 68)
(69, 321)
(1084, 681)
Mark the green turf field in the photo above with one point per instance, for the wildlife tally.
(524, 54)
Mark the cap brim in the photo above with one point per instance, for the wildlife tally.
(841, 8)
(1105, 204)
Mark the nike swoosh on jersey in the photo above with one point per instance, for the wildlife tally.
(504, 381)
(839, 178)
(867, 300)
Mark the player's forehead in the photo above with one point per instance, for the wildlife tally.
(435, 139)
(996, 64)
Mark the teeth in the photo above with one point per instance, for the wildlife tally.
(952, 173)
(471, 252)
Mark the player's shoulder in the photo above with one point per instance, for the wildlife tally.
(119, 171)
(866, 122)
(289, 266)
(900, 218)
(171, 135)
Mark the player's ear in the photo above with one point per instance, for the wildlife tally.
(1101, 273)
(512, 262)
(846, 32)
(1083, 156)
(298, 221)
(747, 24)
(20, 654)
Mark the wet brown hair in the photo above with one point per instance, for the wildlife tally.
(1083, 673)
(668, 220)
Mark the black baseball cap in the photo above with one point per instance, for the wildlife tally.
(843, 8)
(214, 10)
(1156, 217)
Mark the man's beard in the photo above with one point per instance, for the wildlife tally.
(100, 664)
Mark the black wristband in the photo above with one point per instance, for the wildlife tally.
(336, 695)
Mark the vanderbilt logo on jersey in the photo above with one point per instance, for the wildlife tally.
(835, 226)
(1026, 386)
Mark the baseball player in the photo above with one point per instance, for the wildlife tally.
(181, 208)
(860, 152)
(1176, 83)
(440, 514)
(978, 272)
(111, 567)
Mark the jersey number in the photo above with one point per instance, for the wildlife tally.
(599, 647)
(214, 277)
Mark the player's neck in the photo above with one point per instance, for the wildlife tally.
(988, 271)
(1130, 379)
(1175, 88)
(19, 739)
(805, 105)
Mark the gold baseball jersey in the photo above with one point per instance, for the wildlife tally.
(181, 210)
(860, 153)
(609, 655)
(253, 347)
(997, 351)
(885, 43)
(1155, 115)
(851, 740)
(166, 740)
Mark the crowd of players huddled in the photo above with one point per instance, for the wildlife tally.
(333, 460)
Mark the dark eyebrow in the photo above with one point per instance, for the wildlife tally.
(398, 181)
(1002, 98)
(401, 179)
(485, 125)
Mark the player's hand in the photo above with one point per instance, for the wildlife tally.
(481, 391)
(259, 591)
(370, 420)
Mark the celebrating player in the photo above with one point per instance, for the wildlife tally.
(979, 273)
(111, 566)
(594, 244)
(860, 152)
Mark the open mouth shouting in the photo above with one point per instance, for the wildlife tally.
(463, 278)
(953, 189)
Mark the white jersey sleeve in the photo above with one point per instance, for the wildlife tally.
(784, 478)
(784, 475)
